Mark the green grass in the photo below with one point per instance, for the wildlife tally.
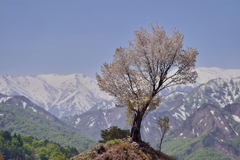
(113, 142)
(192, 149)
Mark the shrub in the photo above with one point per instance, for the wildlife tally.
(113, 133)
(114, 141)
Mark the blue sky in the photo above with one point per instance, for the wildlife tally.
(65, 37)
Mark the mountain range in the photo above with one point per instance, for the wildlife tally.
(206, 114)
(178, 106)
(210, 127)
(209, 112)
(61, 95)
(64, 95)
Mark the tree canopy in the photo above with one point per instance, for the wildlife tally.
(113, 133)
(23, 147)
(152, 62)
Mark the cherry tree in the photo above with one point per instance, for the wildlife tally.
(152, 62)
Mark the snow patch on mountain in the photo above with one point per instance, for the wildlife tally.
(212, 112)
(236, 118)
(4, 99)
(207, 74)
(64, 95)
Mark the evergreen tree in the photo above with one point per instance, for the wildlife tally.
(113, 133)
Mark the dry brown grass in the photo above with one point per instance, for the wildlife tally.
(122, 150)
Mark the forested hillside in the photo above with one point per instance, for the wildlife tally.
(28, 148)
(23, 121)
(192, 148)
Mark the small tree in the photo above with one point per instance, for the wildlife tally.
(151, 63)
(113, 133)
(163, 125)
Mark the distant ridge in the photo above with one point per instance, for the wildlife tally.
(61, 95)
(212, 127)
(25, 103)
(19, 115)
(64, 95)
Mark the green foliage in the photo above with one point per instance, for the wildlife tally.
(28, 148)
(235, 144)
(191, 148)
(113, 133)
(163, 124)
(114, 141)
(207, 153)
(23, 121)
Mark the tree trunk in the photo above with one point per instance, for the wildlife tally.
(160, 145)
(135, 131)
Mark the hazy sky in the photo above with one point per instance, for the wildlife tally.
(78, 36)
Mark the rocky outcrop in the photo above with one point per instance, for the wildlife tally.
(122, 150)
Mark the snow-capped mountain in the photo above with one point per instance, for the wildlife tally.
(64, 95)
(213, 127)
(92, 122)
(205, 75)
(206, 107)
(61, 95)
(218, 92)
(178, 106)
(210, 118)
